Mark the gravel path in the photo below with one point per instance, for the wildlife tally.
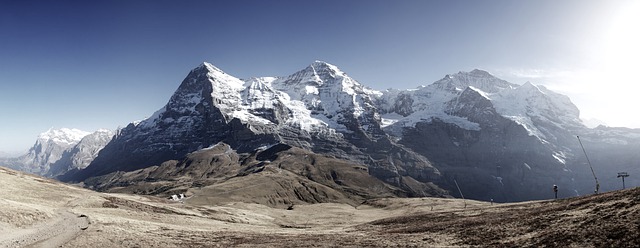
(53, 233)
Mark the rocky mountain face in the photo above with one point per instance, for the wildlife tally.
(495, 139)
(48, 149)
(503, 141)
(332, 114)
(57, 151)
(82, 154)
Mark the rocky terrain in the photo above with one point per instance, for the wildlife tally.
(40, 212)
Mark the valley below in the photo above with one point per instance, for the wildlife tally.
(40, 212)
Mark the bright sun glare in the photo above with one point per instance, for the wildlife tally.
(617, 80)
(623, 41)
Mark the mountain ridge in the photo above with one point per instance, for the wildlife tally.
(57, 150)
(498, 140)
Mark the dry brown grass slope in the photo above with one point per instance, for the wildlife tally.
(38, 212)
(605, 220)
(280, 176)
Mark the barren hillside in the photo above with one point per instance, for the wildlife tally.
(38, 212)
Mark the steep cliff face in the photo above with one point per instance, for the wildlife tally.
(82, 154)
(57, 151)
(48, 149)
(204, 110)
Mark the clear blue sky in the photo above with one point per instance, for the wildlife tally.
(103, 64)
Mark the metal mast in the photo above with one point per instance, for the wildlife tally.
(463, 200)
(623, 175)
(594, 174)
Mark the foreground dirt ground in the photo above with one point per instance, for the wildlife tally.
(38, 212)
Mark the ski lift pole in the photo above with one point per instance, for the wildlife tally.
(623, 175)
(463, 200)
(590, 166)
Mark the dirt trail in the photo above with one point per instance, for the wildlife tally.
(53, 233)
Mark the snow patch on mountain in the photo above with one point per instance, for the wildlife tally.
(81, 154)
(226, 88)
(258, 100)
(49, 148)
(390, 119)
(321, 98)
(528, 105)
(427, 103)
(482, 93)
(63, 136)
(321, 95)
(560, 156)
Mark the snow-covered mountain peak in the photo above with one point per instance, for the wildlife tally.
(479, 79)
(315, 74)
(49, 148)
(325, 89)
(80, 155)
(223, 86)
(201, 84)
(320, 62)
(534, 105)
(531, 106)
(323, 67)
(529, 86)
(480, 73)
(62, 136)
(320, 73)
(215, 75)
(208, 66)
(103, 130)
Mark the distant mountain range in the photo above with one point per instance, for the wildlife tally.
(494, 139)
(57, 151)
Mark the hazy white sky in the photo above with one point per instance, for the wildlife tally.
(103, 64)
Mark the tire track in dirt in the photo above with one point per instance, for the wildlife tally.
(54, 233)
